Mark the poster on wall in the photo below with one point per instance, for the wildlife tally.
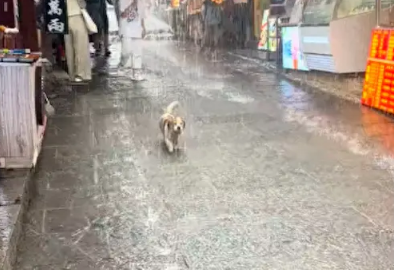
(56, 19)
(263, 43)
(272, 39)
(293, 57)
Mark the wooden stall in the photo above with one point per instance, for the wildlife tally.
(22, 114)
(22, 124)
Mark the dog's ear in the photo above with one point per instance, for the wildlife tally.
(169, 122)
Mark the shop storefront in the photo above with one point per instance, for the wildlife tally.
(334, 36)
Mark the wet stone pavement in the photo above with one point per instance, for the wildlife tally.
(270, 176)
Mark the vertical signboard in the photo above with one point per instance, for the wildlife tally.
(263, 42)
(56, 19)
(272, 38)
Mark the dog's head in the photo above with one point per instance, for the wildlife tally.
(179, 125)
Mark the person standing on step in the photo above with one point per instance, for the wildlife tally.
(132, 15)
(77, 43)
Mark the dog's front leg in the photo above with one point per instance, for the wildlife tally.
(169, 145)
(175, 142)
(167, 140)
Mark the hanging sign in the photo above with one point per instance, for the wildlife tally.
(56, 19)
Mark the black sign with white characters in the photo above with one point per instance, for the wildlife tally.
(56, 19)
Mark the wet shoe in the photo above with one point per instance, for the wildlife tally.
(78, 81)
(107, 53)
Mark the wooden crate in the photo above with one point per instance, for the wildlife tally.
(21, 134)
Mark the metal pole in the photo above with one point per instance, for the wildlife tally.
(278, 36)
(378, 6)
(268, 40)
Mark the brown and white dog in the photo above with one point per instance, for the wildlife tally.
(171, 126)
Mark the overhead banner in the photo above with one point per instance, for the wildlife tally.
(56, 19)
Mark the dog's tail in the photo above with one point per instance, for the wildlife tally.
(170, 108)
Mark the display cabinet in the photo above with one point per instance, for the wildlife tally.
(335, 34)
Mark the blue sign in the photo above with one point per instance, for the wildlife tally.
(293, 57)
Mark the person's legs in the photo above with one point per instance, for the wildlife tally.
(206, 42)
(106, 33)
(83, 68)
(211, 37)
(215, 39)
(136, 49)
(126, 52)
(70, 53)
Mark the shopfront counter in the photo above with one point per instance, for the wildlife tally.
(22, 116)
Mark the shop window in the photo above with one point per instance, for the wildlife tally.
(318, 12)
(354, 7)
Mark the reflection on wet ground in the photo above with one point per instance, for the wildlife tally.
(270, 177)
